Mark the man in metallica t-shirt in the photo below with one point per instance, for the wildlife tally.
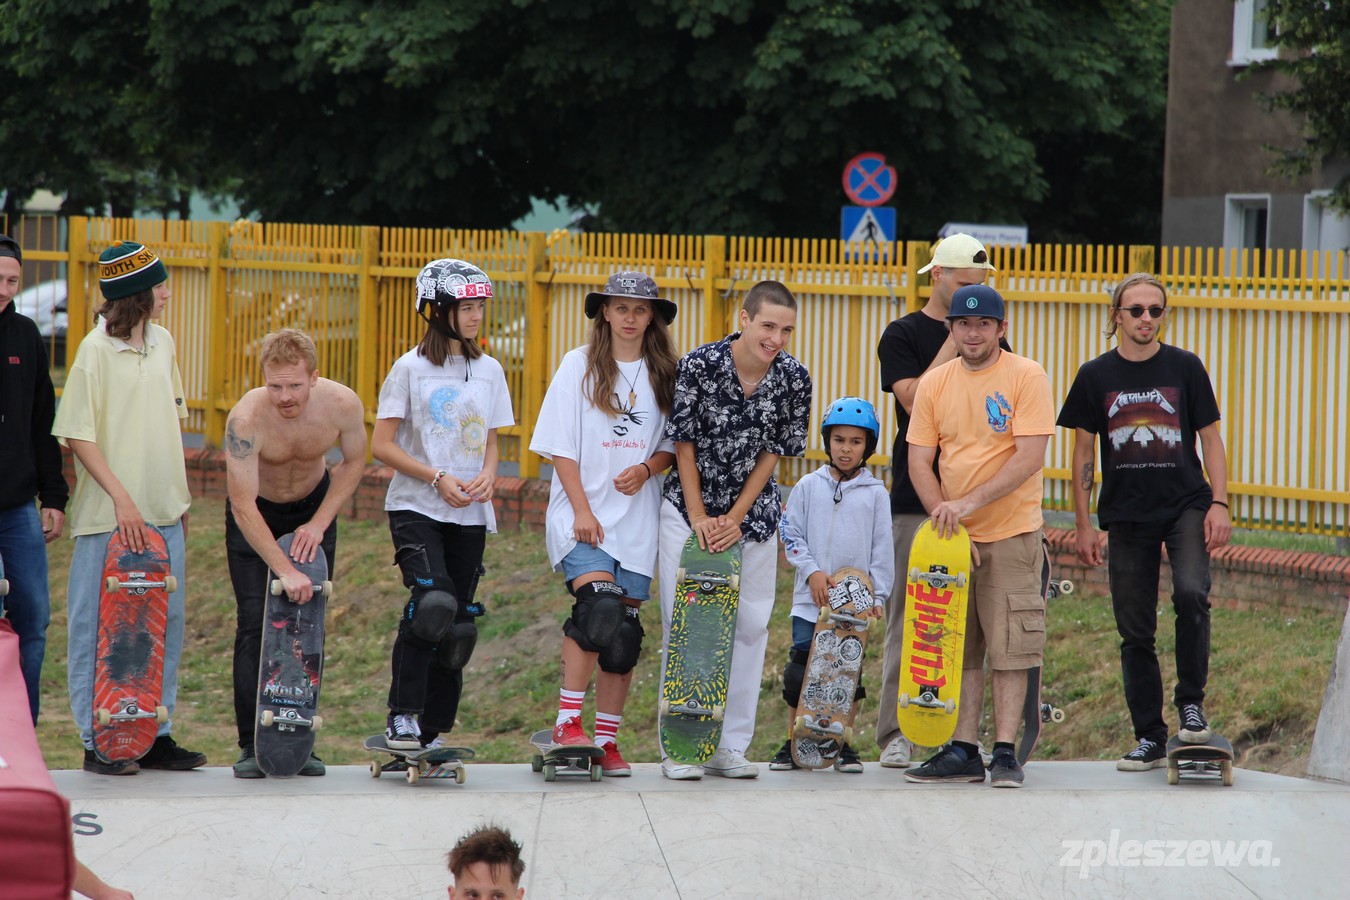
(1150, 403)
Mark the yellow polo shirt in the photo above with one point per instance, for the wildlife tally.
(131, 405)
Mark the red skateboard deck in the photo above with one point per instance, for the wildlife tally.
(133, 615)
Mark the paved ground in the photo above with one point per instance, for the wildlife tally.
(1077, 829)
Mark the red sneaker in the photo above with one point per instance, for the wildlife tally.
(613, 764)
(570, 732)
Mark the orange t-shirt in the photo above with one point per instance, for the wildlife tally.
(973, 418)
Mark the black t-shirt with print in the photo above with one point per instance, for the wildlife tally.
(1146, 416)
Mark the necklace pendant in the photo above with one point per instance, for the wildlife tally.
(632, 398)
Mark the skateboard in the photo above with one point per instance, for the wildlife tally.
(565, 759)
(1035, 711)
(1212, 759)
(442, 762)
(826, 709)
(290, 669)
(133, 615)
(933, 643)
(698, 654)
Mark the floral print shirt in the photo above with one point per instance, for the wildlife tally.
(729, 430)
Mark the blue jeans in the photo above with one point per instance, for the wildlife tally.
(1134, 561)
(28, 606)
(86, 577)
(584, 559)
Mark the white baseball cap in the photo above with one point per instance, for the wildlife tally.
(959, 251)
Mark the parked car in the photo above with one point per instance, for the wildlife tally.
(45, 304)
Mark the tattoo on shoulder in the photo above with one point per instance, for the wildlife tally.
(237, 446)
(1086, 481)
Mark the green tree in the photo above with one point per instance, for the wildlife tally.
(702, 116)
(1315, 37)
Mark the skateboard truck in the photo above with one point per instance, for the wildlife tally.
(938, 577)
(138, 583)
(289, 720)
(828, 614)
(693, 708)
(928, 700)
(809, 723)
(130, 712)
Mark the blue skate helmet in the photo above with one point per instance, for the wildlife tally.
(852, 411)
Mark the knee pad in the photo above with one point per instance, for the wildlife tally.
(599, 613)
(620, 655)
(457, 646)
(794, 673)
(431, 614)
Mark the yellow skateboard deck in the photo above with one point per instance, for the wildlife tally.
(929, 692)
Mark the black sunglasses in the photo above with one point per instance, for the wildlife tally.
(1154, 312)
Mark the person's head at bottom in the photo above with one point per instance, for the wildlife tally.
(486, 865)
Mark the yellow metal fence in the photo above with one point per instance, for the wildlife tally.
(1273, 327)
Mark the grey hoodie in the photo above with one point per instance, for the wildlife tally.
(821, 535)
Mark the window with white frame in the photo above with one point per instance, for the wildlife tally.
(1324, 227)
(1253, 33)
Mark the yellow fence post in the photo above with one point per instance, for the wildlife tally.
(367, 320)
(1142, 259)
(217, 317)
(536, 343)
(714, 303)
(77, 279)
(917, 255)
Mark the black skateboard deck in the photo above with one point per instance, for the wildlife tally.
(441, 762)
(1212, 759)
(565, 759)
(290, 669)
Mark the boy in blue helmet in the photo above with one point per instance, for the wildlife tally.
(838, 515)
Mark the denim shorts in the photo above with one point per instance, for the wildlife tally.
(802, 630)
(584, 558)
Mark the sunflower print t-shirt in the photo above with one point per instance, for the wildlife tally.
(446, 413)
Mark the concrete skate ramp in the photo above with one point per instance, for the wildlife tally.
(1077, 829)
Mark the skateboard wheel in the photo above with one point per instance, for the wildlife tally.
(328, 589)
(274, 588)
(161, 714)
(1056, 715)
(1226, 770)
(950, 706)
(170, 584)
(848, 734)
(914, 574)
(902, 701)
(267, 718)
(376, 770)
(550, 772)
(679, 574)
(316, 723)
(111, 584)
(4, 586)
(718, 712)
(663, 708)
(414, 774)
(537, 763)
(735, 581)
(103, 716)
(824, 615)
(460, 775)
(1173, 773)
(596, 772)
(1066, 587)
(960, 579)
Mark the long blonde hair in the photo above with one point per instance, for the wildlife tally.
(602, 372)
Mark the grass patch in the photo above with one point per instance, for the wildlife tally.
(1267, 671)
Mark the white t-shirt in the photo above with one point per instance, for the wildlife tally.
(446, 413)
(603, 445)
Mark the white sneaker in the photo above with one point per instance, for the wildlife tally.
(679, 771)
(730, 764)
(896, 754)
(985, 757)
(437, 743)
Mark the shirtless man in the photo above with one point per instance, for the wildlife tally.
(276, 439)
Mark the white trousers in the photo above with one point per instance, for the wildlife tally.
(759, 567)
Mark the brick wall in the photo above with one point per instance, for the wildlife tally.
(1243, 577)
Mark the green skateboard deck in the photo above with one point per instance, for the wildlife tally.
(698, 654)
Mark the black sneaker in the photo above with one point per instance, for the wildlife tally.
(165, 754)
(782, 760)
(1005, 771)
(401, 732)
(947, 765)
(848, 761)
(314, 766)
(247, 765)
(1194, 727)
(1148, 755)
(122, 767)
